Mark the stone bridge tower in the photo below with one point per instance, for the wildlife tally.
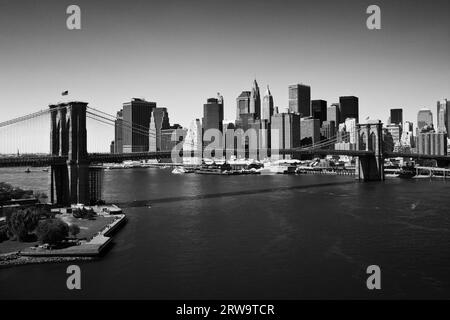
(370, 138)
(70, 181)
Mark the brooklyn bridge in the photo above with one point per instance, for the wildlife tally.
(72, 166)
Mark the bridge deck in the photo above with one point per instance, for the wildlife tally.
(47, 160)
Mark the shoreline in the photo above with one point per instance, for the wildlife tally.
(14, 259)
(89, 251)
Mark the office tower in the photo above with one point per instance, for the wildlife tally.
(432, 143)
(349, 108)
(255, 101)
(285, 131)
(267, 105)
(213, 114)
(193, 144)
(407, 138)
(395, 131)
(300, 99)
(291, 130)
(408, 127)
(159, 120)
(397, 116)
(171, 137)
(118, 132)
(136, 120)
(264, 136)
(346, 135)
(424, 119)
(334, 114)
(443, 116)
(243, 104)
(310, 131)
(228, 136)
(328, 129)
(277, 132)
(319, 110)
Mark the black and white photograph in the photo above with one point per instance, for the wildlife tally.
(224, 151)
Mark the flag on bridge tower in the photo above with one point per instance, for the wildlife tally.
(65, 93)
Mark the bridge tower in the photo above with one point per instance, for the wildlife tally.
(370, 138)
(69, 182)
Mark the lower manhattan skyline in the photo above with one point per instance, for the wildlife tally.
(215, 158)
(143, 52)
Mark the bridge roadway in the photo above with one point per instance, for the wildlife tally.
(47, 160)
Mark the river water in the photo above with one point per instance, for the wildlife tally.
(256, 237)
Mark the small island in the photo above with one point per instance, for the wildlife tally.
(33, 231)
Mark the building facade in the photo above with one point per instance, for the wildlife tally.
(300, 99)
(136, 124)
(319, 110)
(213, 114)
(443, 116)
(118, 133)
(424, 119)
(349, 108)
(310, 130)
(267, 105)
(397, 116)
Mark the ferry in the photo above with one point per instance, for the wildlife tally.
(214, 168)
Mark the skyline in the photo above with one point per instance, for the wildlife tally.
(141, 52)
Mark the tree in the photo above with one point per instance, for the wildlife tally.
(41, 196)
(22, 222)
(3, 234)
(74, 229)
(52, 231)
(8, 192)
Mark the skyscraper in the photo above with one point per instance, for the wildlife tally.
(424, 118)
(243, 104)
(310, 131)
(334, 114)
(328, 129)
(395, 131)
(300, 99)
(172, 136)
(118, 133)
(136, 122)
(193, 144)
(397, 116)
(349, 108)
(319, 110)
(159, 121)
(267, 105)
(443, 116)
(285, 131)
(255, 100)
(213, 113)
(432, 143)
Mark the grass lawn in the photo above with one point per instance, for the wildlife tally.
(13, 246)
(88, 228)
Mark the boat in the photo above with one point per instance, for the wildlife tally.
(179, 170)
(214, 168)
(28, 170)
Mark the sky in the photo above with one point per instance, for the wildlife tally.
(179, 53)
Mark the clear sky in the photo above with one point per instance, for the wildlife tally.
(178, 53)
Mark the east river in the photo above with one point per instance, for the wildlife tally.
(257, 237)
